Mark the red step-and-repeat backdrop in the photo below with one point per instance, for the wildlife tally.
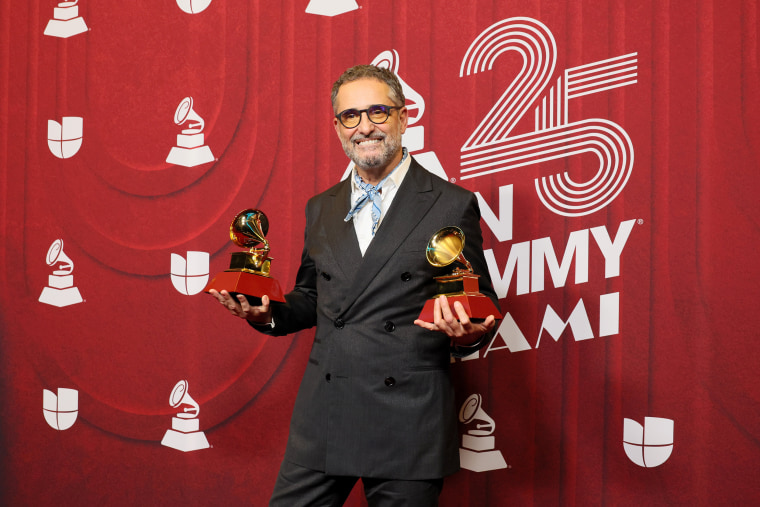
(612, 145)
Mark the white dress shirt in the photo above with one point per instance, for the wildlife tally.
(363, 218)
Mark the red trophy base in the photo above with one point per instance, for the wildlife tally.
(462, 287)
(251, 285)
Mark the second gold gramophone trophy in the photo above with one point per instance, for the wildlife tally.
(249, 271)
(461, 285)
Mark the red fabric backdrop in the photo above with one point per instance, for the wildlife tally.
(679, 344)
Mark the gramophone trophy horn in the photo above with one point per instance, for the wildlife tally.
(180, 396)
(473, 411)
(55, 257)
(444, 248)
(185, 113)
(249, 271)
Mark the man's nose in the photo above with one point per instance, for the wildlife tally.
(365, 126)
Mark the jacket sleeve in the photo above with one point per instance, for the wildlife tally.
(473, 252)
(299, 311)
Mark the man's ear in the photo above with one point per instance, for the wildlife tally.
(403, 118)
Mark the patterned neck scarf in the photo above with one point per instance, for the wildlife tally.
(371, 194)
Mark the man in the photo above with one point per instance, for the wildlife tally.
(376, 401)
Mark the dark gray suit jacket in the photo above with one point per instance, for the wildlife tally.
(376, 398)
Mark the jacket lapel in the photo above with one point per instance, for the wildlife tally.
(341, 236)
(412, 201)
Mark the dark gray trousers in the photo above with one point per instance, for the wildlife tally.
(297, 486)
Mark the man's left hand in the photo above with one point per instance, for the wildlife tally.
(459, 327)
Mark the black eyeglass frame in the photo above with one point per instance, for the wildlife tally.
(388, 111)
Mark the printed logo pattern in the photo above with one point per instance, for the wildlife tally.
(185, 434)
(66, 21)
(193, 6)
(65, 138)
(491, 149)
(191, 149)
(60, 411)
(60, 290)
(190, 276)
(649, 445)
(478, 452)
(331, 7)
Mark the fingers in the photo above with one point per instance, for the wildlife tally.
(261, 314)
(454, 321)
(456, 318)
(437, 323)
(231, 304)
(226, 299)
(489, 323)
(239, 305)
(243, 301)
(451, 324)
(427, 325)
(249, 309)
(462, 316)
(444, 319)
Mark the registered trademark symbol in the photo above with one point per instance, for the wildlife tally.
(453, 180)
(640, 221)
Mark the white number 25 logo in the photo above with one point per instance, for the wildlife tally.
(490, 148)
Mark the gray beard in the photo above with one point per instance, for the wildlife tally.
(391, 146)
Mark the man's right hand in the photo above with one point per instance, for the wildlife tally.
(241, 308)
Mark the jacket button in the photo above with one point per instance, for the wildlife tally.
(339, 323)
(390, 381)
(326, 276)
(390, 326)
(327, 377)
(406, 276)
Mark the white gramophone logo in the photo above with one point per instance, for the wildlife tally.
(60, 290)
(191, 149)
(414, 137)
(66, 21)
(65, 138)
(478, 452)
(185, 434)
(60, 411)
(193, 6)
(649, 445)
(190, 276)
(330, 7)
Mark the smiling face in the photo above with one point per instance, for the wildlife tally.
(375, 149)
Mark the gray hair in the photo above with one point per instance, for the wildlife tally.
(370, 72)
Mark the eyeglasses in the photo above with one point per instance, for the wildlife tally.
(376, 113)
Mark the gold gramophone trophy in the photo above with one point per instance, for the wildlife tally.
(461, 285)
(249, 271)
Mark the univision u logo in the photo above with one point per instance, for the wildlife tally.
(193, 6)
(190, 276)
(331, 7)
(65, 138)
(649, 445)
(60, 411)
